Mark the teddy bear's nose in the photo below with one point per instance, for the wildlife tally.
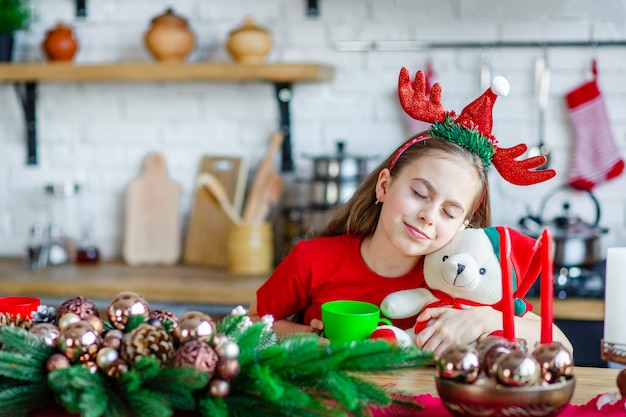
(460, 268)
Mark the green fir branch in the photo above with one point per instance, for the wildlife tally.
(17, 366)
(134, 321)
(178, 385)
(20, 399)
(209, 406)
(80, 391)
(379, 355)
(16, 339)
(229, 325)
(148, 403)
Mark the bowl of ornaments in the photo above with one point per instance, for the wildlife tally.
(499, 376)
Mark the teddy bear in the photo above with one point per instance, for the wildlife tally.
(463, 274)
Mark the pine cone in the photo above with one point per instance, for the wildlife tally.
(147, 340)
(11, 320)
(44, 314)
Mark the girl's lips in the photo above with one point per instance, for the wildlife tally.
(415, 232)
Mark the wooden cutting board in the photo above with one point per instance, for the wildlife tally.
(152, 227)
(208, 226)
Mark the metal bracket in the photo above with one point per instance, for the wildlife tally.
(284, 94)
(81, 8)
(312, 8)
(28, 96)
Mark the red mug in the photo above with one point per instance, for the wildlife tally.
(22, 305)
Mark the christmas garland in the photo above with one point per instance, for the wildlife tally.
(151, 363)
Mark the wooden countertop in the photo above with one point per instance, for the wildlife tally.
(589, 382)
(184, 284)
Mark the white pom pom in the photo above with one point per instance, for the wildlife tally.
(500, 86)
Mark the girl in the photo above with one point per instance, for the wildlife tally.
(409, 206)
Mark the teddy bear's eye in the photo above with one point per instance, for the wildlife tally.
(482, 271)
(445, 258)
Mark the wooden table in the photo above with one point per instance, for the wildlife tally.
(589, 382)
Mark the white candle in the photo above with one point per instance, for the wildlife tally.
(615, 296)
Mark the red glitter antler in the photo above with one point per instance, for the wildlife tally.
(413, 98)
(520, 172)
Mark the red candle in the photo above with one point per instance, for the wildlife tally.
(508, 310)
(547, 286)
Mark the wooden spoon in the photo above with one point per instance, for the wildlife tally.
(216, 188)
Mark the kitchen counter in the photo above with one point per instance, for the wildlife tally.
(184, 284)
(176, 284)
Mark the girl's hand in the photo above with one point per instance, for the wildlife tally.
(317, 325)
(451, 327)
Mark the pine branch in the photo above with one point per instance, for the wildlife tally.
(18, 366)
(148, 403)
(16, 339)
(378, 355)
(209, 406)
(80, 391)
(23, 398)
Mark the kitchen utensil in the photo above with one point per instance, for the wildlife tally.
(215, 187)
(208, 226)
(347, 320)
(152, 228)
(269, 198)
(251, 249)
(542, 84)
(576, 242)
(255, 208)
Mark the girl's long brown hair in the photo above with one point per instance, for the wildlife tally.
(359, 215)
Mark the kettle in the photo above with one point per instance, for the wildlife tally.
(576, 242)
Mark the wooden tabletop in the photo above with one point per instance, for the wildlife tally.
(183, 284)
(589, 382)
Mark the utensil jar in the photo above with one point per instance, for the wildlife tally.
(251, 249)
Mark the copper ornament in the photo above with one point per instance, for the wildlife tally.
(517, 369)
(81, 306)
(113, 339)
(117, 368)
(195, 325)
(67, 318)
(124, 305)
(198, 354)
(219, 388)
(459, 363)
(228, 368)
(47, 331)
(57, 361)
(555, 361)
(78, 341)
(106, 356)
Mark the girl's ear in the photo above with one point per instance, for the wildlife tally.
(382, 184)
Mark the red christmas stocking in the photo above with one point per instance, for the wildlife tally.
(596, 157)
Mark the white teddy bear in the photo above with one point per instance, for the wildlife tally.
(463, 274)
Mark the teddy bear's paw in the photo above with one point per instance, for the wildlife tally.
(392, 335)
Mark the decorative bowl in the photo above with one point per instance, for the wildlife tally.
(485, 398)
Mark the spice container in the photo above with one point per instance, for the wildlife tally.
(169, 37)
(249, 43)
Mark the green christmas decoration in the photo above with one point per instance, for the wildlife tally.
(255, 374)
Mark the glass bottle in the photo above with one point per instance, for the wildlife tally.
(58, 253)
(36, 250)
(87, 252)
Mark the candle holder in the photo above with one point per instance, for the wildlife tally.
(616, 352)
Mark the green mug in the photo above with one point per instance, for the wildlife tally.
(346, 320)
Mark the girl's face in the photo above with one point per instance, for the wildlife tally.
(425, 204)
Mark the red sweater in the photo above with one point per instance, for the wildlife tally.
(327, 269)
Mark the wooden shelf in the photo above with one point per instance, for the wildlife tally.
(574, 309)
(26, 76)
(157, 71)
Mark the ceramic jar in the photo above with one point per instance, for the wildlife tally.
(60, 43)
(249, 44)
(169, 37)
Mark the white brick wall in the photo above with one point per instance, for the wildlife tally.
(98, 133)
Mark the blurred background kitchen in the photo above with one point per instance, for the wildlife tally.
(98, 140)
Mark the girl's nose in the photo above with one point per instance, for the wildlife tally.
(426, 214)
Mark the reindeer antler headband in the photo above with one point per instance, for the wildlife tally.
(471, 129)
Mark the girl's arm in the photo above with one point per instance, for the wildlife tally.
(284, 327)
(452, 326)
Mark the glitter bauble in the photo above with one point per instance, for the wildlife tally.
(554, 360)
(47, 331)
(198, 354)
(459, 363)
(219, 388)
(147, 340)
(57, 361)
(67, 318)
(227, 349)
(106, 356)
(78, 341)
(195, 325)
(117, 368)
(163, 316)
(228, 368)
(124, 305)
(81, 306)
(517, 369)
